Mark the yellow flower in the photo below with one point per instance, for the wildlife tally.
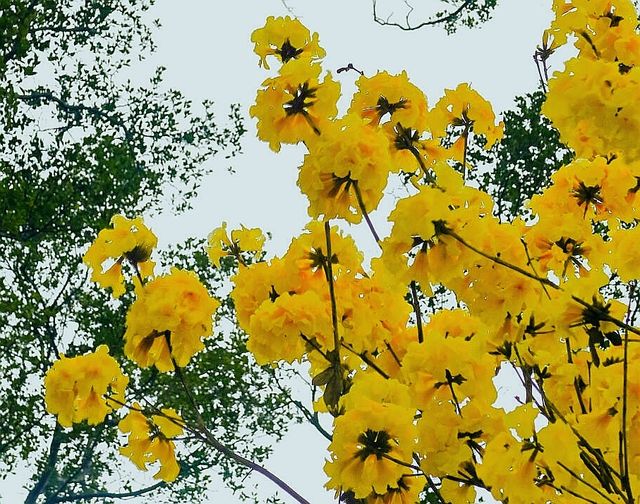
(308, 251)
(286, 39)
(594, 106)
(75, 388)
(363, 441)
(348, 158)
(242, 240)
(277, 327)
(129, 239)
(168, 321)
(465, 109)
(257, 283)
(248, 240)
(390, 98)
(218, 244)
(295, 106)
(151, 440)
(407, 491)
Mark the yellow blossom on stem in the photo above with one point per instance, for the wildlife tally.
(364, 442)
(242, 240)
(168, 321)
(286, 39)
(130, 240)
(150, 440)
(295, 106)
(465, 109)
(390, 98)
(346, 168)
(78, 388)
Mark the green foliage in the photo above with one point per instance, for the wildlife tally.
(79, 143)
(521, 164)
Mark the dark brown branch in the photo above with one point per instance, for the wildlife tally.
(578, 478)
(367, 361)
(544, 281)
(365, 214)
(624, 441)
(430, 22)
(210, 439)
(41, 484)
(107, 495)
(332, 294)
(415, 301)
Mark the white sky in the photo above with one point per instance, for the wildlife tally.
(206, 48)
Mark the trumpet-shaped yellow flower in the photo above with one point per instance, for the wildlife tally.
(295, 106)
(287, 39)
(129, 239)
(464, 108)
(280, 329)
(346, 169)
(78, 388)
(168, 321)
(150, 440)
(242, 240)
(390, 98)
(364, 441)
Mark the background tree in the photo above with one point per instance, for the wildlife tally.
(522, 162)
(79, 143)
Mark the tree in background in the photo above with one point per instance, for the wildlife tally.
(79, 143)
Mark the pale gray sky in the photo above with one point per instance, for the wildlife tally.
(206, 48)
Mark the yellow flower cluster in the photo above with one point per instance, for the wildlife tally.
(287, 39)
(129, 239)
(150, 440)
(414, 398)
(242, 240)
(349, 164)
(168, 320)
(593, 101)
(80, 388)
(165, 327)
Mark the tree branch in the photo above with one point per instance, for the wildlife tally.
(41, 484)
(107, 495)
(430, 22)
(210, 439)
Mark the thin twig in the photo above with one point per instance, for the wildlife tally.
(363, 209)
(332, 294)
(228, 452)
(416, 308)
(578, 478)
(530, 263)
(393, 353)
(430, 22)
(624, 470)
(366, 360)
(315, 346)
(601, 313)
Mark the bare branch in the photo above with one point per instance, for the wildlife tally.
(107, 495)
(56, 440)
(429, 22)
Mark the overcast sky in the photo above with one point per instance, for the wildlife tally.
(206, 49)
